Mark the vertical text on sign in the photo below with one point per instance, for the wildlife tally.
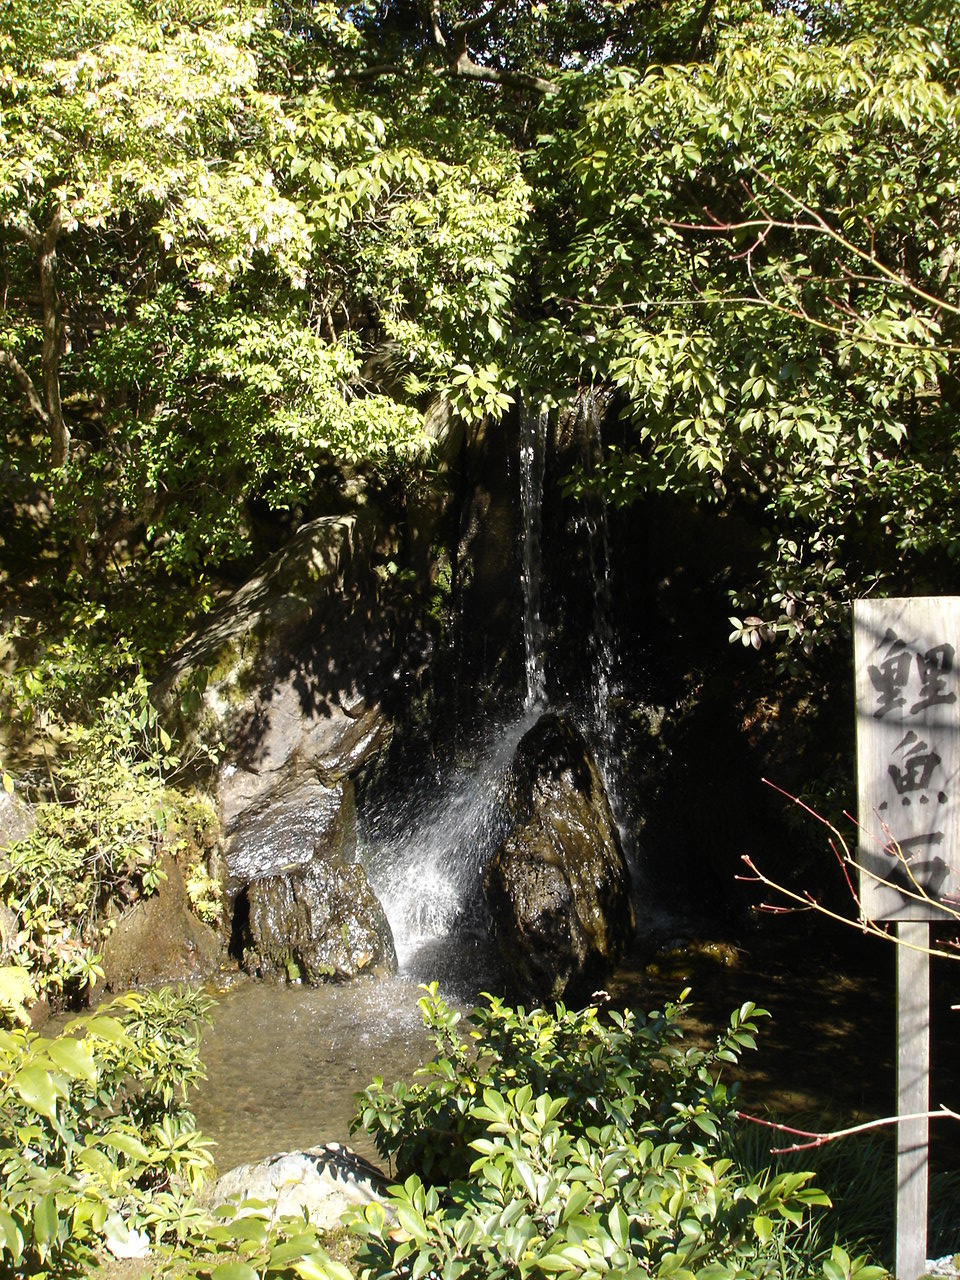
(908, 755)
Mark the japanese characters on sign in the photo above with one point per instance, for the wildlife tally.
(908, 755)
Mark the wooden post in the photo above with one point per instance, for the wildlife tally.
(908, 755)
(913, 1090)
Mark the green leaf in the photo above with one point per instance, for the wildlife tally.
(37, 1089)
(46, 1221)
(74, 1058)
(128, 1143)
(762, 1227)
(234, 1271)
(11, 1239)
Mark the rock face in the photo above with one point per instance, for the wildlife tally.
(558, 886)
(160, 940)
(16, 819)
(295, 664)
(324, 1181)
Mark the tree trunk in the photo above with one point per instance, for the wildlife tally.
(45, 407)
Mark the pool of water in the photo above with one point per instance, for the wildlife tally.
(284, 1062)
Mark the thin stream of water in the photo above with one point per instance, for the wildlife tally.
(533, 452)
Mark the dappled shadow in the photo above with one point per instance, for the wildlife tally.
(311, 653)
(829, 1047)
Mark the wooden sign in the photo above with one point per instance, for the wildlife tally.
(908, 768)
(908, 755)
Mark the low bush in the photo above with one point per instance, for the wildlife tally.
(578, 1146)
(96, 1144)
(107, 817)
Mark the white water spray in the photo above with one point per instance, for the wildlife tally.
(428, 875)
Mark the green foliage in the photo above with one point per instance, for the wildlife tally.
(267, 260)
(568, 1144)
(97, 845)
(761, 252)
(17, 993)
(99, 1153)
(94, 1142)
(246, 1241)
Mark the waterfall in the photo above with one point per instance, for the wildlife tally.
(428, 869)
(427, 854)
(533, 451)
(603, 641)
(593, 529)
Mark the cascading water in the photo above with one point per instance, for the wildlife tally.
(533, 451)
(427, 865)
(428, 869)
(603, 641)
(427, 873)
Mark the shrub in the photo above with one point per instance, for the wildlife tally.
(98, 1150)
(96, 847)
(573, 1145)
(95, 1142)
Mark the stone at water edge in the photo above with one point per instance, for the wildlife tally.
(159, 940)
(558, 887)
(296, 664)
(320, 920)
(325, 1181)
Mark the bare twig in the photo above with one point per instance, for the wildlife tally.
(816, 1139)
(803, 900)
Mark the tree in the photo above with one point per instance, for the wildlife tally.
(762, 254)
(744, 216)
(198, 267)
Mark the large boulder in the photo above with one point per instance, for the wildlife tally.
(317, 921)
(292, 666)
(159, 940)
(558, 886)
(290, 672)
(321, 1182)
(288, 825)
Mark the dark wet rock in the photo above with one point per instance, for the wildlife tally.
(486, 579)
(558, 887)
(316, 921)
(159, 940)
(322, 1181)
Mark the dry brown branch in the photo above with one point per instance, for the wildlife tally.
(804, 900)
(816, 1139)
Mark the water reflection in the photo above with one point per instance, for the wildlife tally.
(284, 1062)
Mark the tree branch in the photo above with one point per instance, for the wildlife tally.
(47, 408)
(821, 1139)
(53, 340)
(805, 901)
(463, 65)
(27, 229)
(27, 386)
(699, 26)
(368, 73)
(474, 24)
(433, 20)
